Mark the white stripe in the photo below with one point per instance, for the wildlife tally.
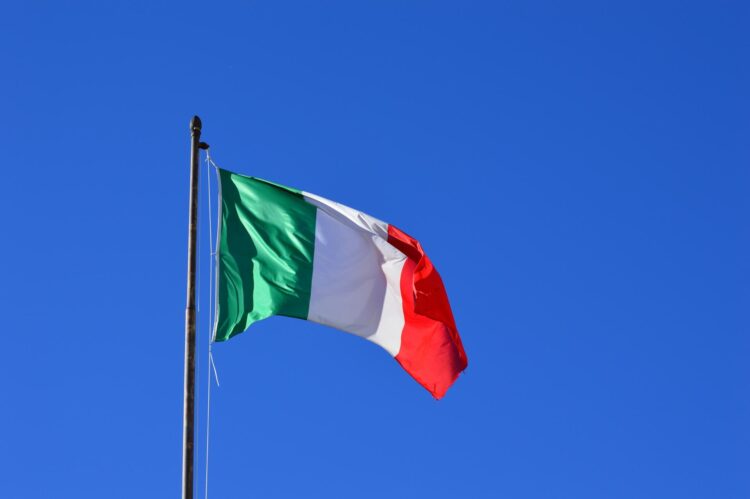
(356, 281)
(349, 216)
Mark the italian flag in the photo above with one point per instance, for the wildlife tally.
(287, 252)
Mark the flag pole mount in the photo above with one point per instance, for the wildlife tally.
(188, 430)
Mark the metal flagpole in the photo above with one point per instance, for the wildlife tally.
(188, 432)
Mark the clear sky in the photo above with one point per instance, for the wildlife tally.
(577, 171)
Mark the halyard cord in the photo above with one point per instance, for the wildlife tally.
(211, 365)
(214, 249)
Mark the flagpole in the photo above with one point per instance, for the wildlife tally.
(188, 431)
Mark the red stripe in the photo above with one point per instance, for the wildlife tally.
(431, 350)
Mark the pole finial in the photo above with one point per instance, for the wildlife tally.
(195, 124)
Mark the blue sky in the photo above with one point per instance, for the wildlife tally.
(577, 171)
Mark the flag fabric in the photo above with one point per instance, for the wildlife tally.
(286, 252)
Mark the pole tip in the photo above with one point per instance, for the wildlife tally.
(195, 124)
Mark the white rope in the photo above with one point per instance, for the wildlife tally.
(211, 247)
(213, 163)
(211, 312)
(212, 278)
(214, 247)
(213, 364)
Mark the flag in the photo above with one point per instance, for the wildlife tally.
(287, 252)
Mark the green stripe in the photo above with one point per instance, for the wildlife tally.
(265, 254)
